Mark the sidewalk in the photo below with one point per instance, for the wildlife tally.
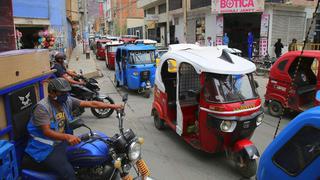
(87, 66)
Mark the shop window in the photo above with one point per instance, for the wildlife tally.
(151, 10)
(199, 3)
(162, 8)
(282, 65)
(175, 4)
(303, 146)
(189, 81)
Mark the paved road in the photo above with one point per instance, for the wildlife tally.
(167, 155)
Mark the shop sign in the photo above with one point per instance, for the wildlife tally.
(264, 25)
(237, 6)
(151, 25)
(152, 17)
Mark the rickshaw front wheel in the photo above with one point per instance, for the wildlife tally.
(247, 168)
(275, 108)
(158, 123)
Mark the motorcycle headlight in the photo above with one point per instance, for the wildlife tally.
(228, 126)
(135, 73)
(259, 119)
(134, 151)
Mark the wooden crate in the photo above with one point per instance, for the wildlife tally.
(19, 65)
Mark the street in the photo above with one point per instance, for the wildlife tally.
(168, 156)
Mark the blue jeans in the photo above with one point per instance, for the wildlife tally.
(57, 162)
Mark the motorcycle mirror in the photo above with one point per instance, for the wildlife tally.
(318, 96)
(125, 98)
(76, 124)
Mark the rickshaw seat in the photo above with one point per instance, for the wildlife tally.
(305, 89)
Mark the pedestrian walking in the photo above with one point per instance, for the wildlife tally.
(210, 42)
(225, 39)
(250, 45)
(278, 48)
(176, 41)
(293, 45)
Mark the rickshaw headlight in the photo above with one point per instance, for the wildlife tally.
(135, 73)
(228, 126)
(259, 119)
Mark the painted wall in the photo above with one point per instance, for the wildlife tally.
(31, 9)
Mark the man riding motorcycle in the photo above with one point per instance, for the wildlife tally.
(62, 71)
(48, 129)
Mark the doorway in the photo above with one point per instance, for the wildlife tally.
(237, 26)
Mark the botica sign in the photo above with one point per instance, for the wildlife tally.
(237, 6)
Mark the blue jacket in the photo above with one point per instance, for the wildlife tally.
(39, 146)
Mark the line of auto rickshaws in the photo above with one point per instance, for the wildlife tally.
(209, 97)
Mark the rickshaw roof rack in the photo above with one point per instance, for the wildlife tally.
(209, 59)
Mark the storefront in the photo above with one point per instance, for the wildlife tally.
(237, 19)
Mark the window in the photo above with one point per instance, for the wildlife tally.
(200, 3)
(142, 57)
(282, 65)
(162, 8)
(151, 10)
(189, 80)
(299, 151)
(175, 4)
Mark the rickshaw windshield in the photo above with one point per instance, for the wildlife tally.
(141, 57)
(221, 88)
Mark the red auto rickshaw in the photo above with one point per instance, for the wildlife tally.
(299, 95)
(100, 51)
(111, 49)
(209, 98)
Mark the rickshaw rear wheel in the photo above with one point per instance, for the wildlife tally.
(248, 169)
(275, 108)
(158, 123)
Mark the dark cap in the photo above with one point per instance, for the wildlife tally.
(59, 84)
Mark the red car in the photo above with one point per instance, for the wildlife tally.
(128, 39)
(293, 82)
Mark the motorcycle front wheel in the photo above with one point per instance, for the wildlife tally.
(103, 113)
(248, 167)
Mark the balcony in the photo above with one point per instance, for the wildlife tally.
(145, 3)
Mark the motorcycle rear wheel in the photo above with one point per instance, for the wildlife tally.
(103, 113)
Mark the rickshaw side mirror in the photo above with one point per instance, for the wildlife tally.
(256, 84)
(318, 96)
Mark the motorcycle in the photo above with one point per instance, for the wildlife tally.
(89, 92)
(101, 157)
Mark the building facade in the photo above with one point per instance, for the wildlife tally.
(195, 20)
(42, 24)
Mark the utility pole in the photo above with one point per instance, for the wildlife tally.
(120, 18)
(168, 25)
(185, 9)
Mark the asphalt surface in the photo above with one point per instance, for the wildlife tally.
(168, 156)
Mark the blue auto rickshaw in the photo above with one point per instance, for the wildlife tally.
(294, 154)
(135, 67)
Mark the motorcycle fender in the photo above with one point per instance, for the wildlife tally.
(246, 149)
